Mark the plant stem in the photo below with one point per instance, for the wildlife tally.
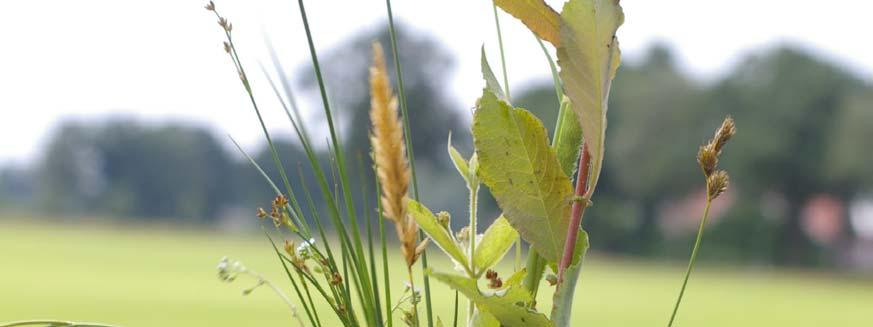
(412, 288)
(691, 260)
(502, 55)
(409, 151)
(474, 195)
(579, 205)
(53, 323)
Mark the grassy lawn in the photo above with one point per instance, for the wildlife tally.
(166, 277)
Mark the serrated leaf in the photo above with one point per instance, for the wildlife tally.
(523, 173)
(506, 305)
(537, 16)
(568, 138)
(491, 82)
(589, 57)
(498, 239)
(439, 234)
(562, 306)
(459, 162)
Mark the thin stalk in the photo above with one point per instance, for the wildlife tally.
(474, 195)
(389, 313)
(502, 55)
(54, 323)
(357, 255)
(368, 219)
(579, 205)
(455, 317)
(412, 288)
(691, 260)
(407, 135)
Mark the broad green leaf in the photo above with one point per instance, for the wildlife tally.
(568, 138)
(439, 234)
(459, 161)
(498, 239)
(507, 304)
(537, 16)
(563, 299)
(491, 82)
(589, 57)
(523, 173)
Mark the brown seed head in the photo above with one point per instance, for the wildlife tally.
(707, 158)
(227, 47)
(210, 6)
(716, 184)
(222, 22)
(289, 248)
(389, 155)
(723, 134)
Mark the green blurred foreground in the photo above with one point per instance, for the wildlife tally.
(164, 277)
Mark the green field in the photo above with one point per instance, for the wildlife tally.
(164, 277)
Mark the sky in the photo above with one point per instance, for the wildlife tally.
(162, 60)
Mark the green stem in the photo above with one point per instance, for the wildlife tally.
(58, 323)
(502, 55)
(691, 260)
(474, 196)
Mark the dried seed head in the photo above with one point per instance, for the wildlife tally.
(210, 6)
(261, 213)
(494, 281)
(280, 201)
(389, 155)
(227, 47)
(716, 184)
(290, 248)
(723, 134)
(444, 219)
(707, 158)
(222, 22)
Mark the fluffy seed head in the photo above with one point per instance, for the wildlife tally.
(723, 134)
(716, 184)
(389, 155)
(707, 158)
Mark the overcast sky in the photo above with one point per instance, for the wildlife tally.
(162, 60)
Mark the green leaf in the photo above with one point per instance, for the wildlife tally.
(484, 319)
(562, 306)
(523, 173)
(439, 234)
(498, 239)
(589, 57)
(536, 15)
(568, 138)
(491, 82)
(459, 161)
(507, 305)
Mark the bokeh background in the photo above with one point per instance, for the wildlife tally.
(120, 190)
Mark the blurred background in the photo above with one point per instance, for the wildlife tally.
(116, 116)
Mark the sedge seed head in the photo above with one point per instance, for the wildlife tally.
(723, 134)
(707, 159)
(717, 183)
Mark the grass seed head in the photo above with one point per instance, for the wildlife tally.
(389, 155)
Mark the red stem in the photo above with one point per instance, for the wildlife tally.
(579, 205)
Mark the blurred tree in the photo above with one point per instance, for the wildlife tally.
(124, 168)
(426, 66)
